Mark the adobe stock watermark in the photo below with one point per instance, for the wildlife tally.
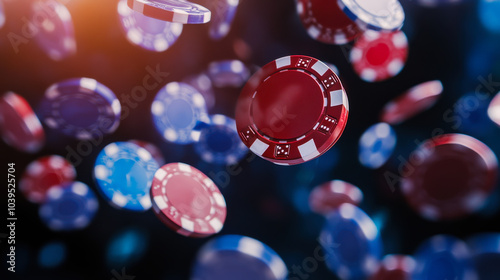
(310, 265)
(31, 27)
(154, 79)
(454, 116)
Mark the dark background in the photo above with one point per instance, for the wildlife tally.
(265, 201)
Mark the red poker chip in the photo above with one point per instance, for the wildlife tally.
(378, 56)
(44, 173)
(19, 126)
(330, 195)
(395, 267)
(450, 177)
(494, 109)
(292, 110)
(415, 100)
(326, 22)
(152, 149)
(187, 201)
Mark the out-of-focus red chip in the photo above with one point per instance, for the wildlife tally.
(187, 201)
(330, 195)
(415, 100)
(449, 177)
(44, 173)
(326, 22)
(395, 267)
(19, 126)
(292, 110)
(378, 56)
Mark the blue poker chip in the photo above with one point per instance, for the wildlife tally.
(81, 108)
(485, 250)
(230, 257)
(124, 173)
(203, 84)
(222, 18)
(177, 110)
(70, 206)
(488, 14)
(387, 15)
(443, 257)
(55, 31)
(351, 242)
(376, 145)
(219, 142)
(148, 33)
(228, 73)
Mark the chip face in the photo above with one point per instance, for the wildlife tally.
(453, 176)
(187, 201)
(376, 145)
(149, 33)
(329, 196)
(293, 110)
(378, 56)
(179, 11)
(81, 108)
(326, 22)
(19, 126)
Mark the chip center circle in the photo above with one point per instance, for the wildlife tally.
(188, 196)
(378, 54)
(287, 105)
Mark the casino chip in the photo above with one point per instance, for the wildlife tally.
(82, 108)
(330, 195)
(179, 11)
(19, 126)
(187, 201)
(292, 110)
(44, 173)
(452, 176)
(203, 84)
(178, 109)
(124, 173)
(228, 73)
(219, 142)
(326, 22)
(443, 257)
(494, 109)
(55, 31)
(334, 68)
(415, 100)
(377, 15)
(378, 56)
(148, 33)
(376, 145)
(70, 206)
(152, 149)
(485, 249)
(351, 242)
(230, 257)
(395, 267)
(440, 3)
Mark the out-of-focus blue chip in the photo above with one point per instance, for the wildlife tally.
(376, 145)
(148, 33)
(351, 242)
(231, 257)
(124, 173)
(177, 110)
(70, 206)
(228, 73)
(485, 249)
